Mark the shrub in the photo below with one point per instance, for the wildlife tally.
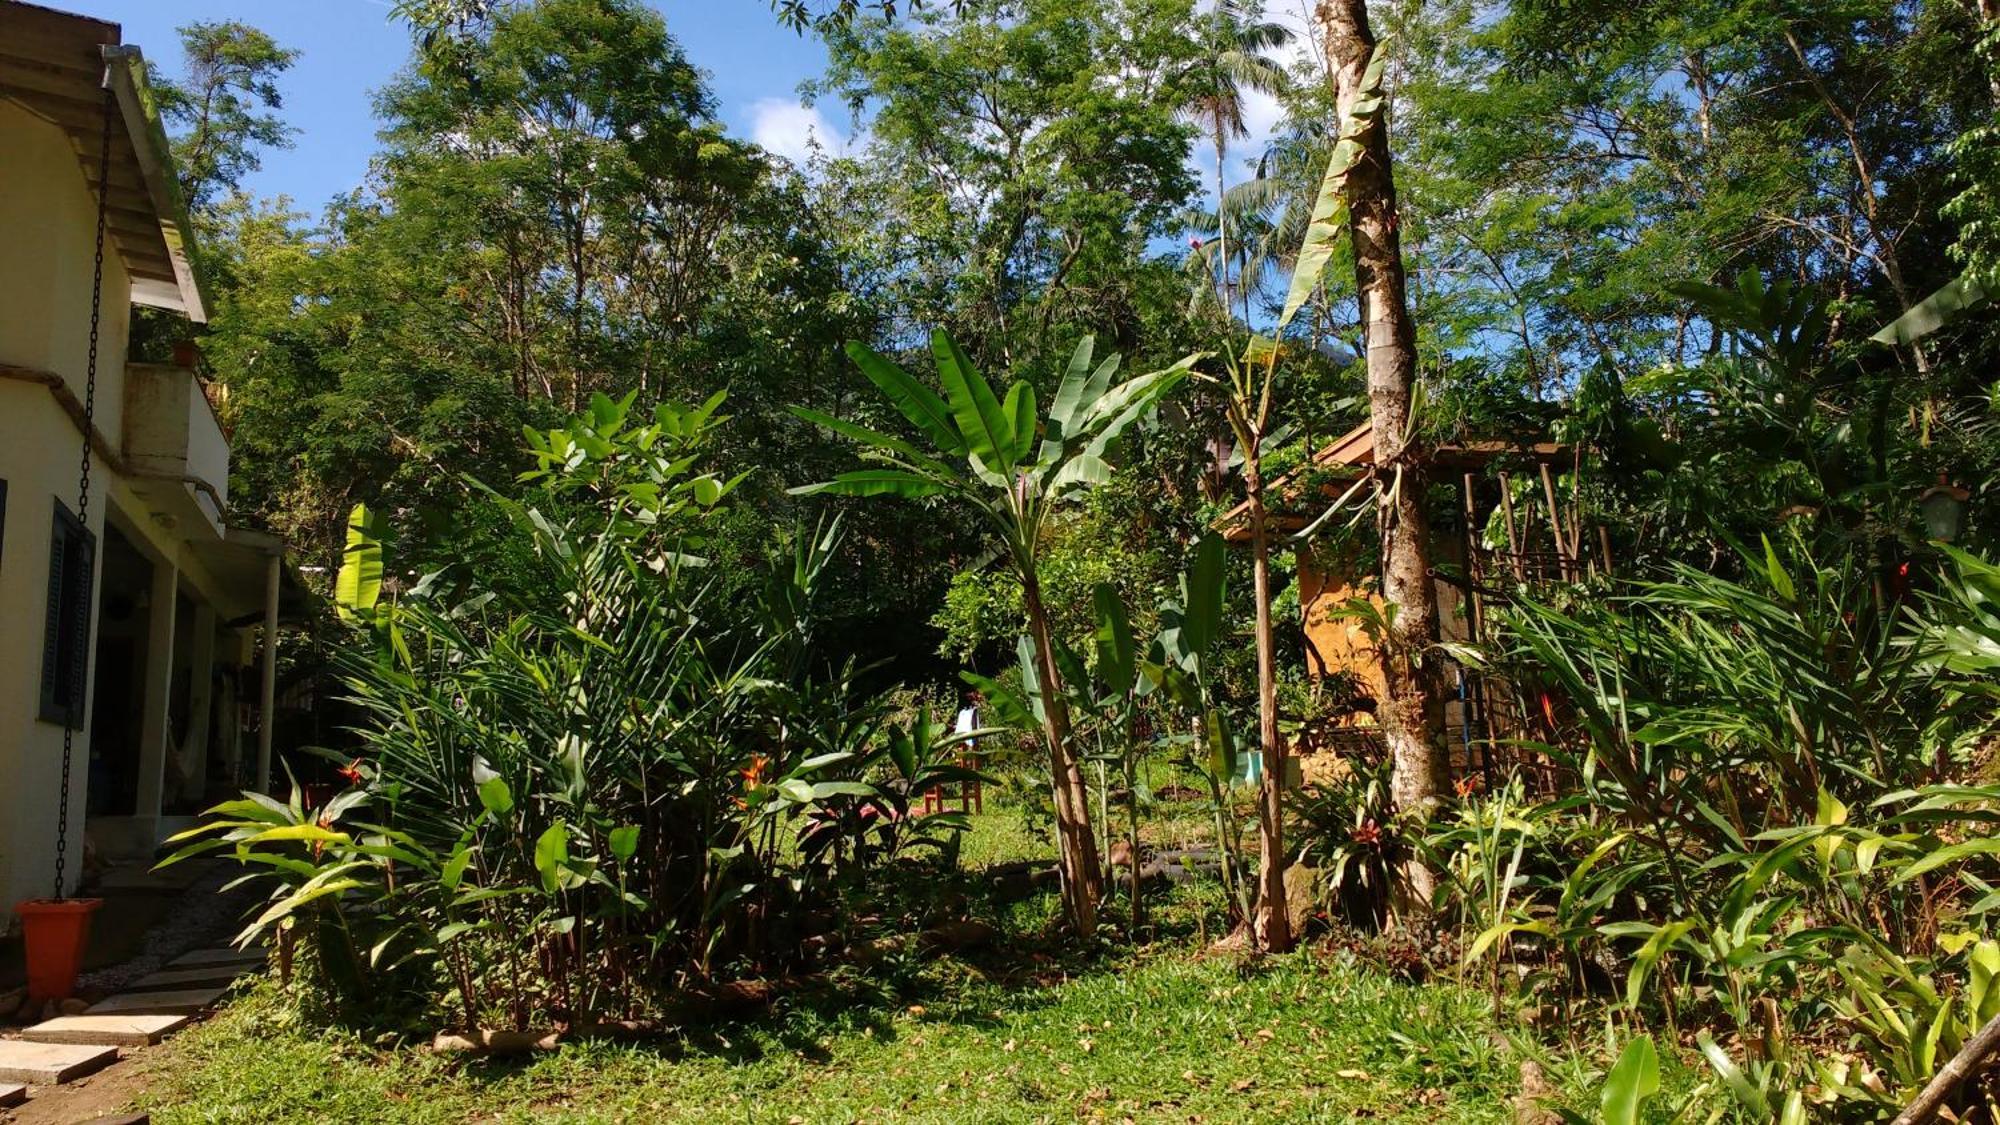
(585, 785)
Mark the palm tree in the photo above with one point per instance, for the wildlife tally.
(1235, 39)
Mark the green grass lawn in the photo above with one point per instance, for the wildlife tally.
(1301, 1038)
(1013, 1035)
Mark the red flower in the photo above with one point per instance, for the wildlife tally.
(1368, 833)
(351, 771)
(753, 777)
(324, 823)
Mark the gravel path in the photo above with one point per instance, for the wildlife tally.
(204, 917)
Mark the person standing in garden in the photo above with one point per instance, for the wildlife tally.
(971, 796)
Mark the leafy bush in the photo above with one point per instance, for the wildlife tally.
(1769, 849)
(582, 789)
(1766, 845)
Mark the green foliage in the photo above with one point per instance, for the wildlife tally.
(222, 110)
(556, 213)
(582, 787)
(621, 719)
(1959, 626)
(1088, 416)
(1020, 157)
(1764, 820)
(358, 587)
(1632, 1081)
(1351, 832)
(320, 873)
(1328, 223)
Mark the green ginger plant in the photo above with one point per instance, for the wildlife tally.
(581, 790)
(1768, 841)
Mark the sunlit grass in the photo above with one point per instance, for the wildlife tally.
(1306, 1037)
(1019, 1032)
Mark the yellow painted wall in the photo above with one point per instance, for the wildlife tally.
(47, 233)
(1338, 645)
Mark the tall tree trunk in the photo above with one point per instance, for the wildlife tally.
(1271, 925)
(1221, 221)
(1082, 878)
(1408, 713)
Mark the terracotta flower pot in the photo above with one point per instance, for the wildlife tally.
(55, 932)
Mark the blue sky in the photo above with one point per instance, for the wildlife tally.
(349, 48)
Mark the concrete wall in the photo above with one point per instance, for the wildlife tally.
(171, 431)
(208, 453)
(47, 232)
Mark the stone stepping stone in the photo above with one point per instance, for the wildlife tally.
(184, 978)
(117, 1031)
(50, 1064)
(208, 957)
(169, 1002)
(12, 1093)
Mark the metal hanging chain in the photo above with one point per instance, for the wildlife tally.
(83, 472)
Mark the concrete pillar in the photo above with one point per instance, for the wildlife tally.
(155, 729)
(240, 655)
(267, 696)
(201, 699)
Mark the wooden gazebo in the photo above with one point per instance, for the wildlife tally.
(1543, 542)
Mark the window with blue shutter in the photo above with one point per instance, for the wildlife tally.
(66, 630)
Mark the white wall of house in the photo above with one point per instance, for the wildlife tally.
(159, 479)
(47, 235)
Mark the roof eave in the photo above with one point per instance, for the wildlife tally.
(125, 68)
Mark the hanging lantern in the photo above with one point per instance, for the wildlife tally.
(1943, 508)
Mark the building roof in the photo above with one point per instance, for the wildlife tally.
(1354, 452)
(58, 66)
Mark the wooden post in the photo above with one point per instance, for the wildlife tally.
(1576, 506)
(1513, 538)
(1473, 571)
(1473, 706)
(1555, 523)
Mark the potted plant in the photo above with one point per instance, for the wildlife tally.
(55, 932)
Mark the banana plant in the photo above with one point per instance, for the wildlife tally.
(357, 590)
(1120, 691)
(1005, 460)
(1180, 666)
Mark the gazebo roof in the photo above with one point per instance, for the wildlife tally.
(1352, 454)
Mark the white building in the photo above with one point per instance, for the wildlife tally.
(136, 628)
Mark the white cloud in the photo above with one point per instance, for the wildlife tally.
(789, 128)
